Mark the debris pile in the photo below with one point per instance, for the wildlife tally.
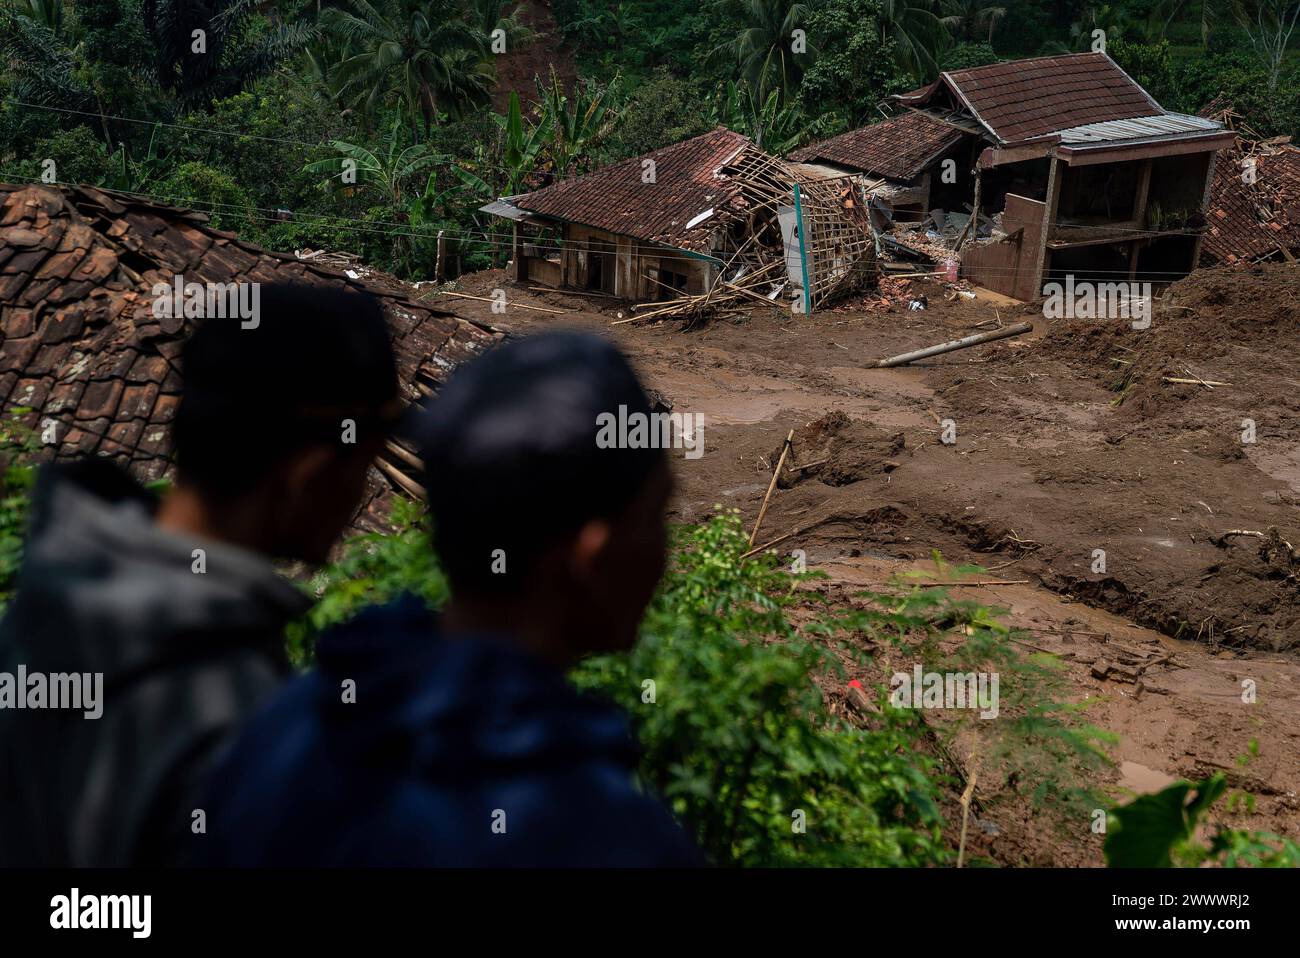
(1254, 208)
(765, 261)
(837, 450)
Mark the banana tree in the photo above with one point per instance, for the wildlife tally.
(384, 171)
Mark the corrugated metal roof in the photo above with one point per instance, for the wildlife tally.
(1148, 127)
(506, 209)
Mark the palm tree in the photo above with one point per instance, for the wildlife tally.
(487, 16)
(48, 13)
(1206, 12)
(918, 35)
(230, 61)
(764, 50)
(967, 16)
(422, 52)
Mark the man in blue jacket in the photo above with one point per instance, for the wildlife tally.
(456, 740)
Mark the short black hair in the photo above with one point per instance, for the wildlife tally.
(252, 396)
(511, 454)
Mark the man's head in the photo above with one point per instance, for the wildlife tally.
(532, 517)
(278, 423)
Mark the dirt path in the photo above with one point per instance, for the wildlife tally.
(1060, 451)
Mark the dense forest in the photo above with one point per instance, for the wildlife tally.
(249, 110)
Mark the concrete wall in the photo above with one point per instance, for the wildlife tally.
(1009, 268)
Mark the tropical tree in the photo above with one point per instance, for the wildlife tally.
(764, 51)
(212, 49)
(422, 53)
(576, 123)
(774, 126)
(385, 170)
(967, 18)
(1269, 25)
(918, 35)
(488, 16)
(48, 13)
(1205, 12)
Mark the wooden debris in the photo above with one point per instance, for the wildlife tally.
(484, 299)
(785, 451)
(904, 358)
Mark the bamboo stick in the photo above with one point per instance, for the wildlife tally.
(785, 451)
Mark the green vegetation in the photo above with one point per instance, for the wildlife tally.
(252, 127)
(1164, 831)
(254, 118)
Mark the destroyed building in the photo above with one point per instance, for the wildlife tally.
(1254, 208)
(899, 162)
(706, 222)
(86, 363)
(1077, 170)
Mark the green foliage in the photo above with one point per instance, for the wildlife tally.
(79, 157)
(1039, 741)
(963, 56)
(239, 46)
(1150, 64)
(1162, 831)
(424, 56)
(738, 737)
(857, 68)
(371, 569)
(659, 111)
(18, 443)
(213, 191)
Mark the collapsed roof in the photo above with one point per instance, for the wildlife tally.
(79, 343)
(625, 198)
(1076, 101)
(900, 148)
(1252, 221)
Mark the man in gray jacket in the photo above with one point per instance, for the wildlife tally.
(166, 616)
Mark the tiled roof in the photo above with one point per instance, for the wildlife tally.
(899, 149)
(1250, 221)
(79, 343)
(618, 199)
(1023, 99)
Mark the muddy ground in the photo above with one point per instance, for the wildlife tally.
(1067, 441)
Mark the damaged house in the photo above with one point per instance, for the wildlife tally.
(86, 363)
(711, 222)
(1079, 171)
(1254, 211)
(898, 161)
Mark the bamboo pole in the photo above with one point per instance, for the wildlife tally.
(776, 473)
(903, 359)
(484, 299)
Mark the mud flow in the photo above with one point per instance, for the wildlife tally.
(1171, 450)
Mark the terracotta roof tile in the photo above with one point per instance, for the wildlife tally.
(1249, 221)
(617, 199)
(79, 343)
(899, 148)
(1022, 99)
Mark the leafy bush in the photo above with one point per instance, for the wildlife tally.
(371, 569)
(737, 736)
(1160, 831)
